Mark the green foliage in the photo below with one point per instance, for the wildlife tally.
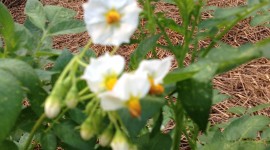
(48, 141)
(66, 133)
(10, 102)
(27, 50)
(35, 11)
(140, 52)
(6, 27)
(160, 141)
(150, 106)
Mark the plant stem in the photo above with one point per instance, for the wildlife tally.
(57, 119)
(85, 97)
(34, 129)
(86, 89)
(179, 116)
(114, 50)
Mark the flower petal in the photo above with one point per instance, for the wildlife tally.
(164, 68)
(100, 68)
(156, 68)
(109, 101)
(132, 85)
(111, 34)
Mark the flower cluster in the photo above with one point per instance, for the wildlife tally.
(109, 22)
(116, 91)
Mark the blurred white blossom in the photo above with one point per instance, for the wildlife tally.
(156, 70)
(129, 89)
(111, 22)
(102, 72)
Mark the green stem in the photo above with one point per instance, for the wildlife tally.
(114, 50)
(114, 120)
(81, 62)
(179, 116)
(34, 129)
(85, 97)
(57, 119)
(86, 89)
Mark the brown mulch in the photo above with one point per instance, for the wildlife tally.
(248, 85)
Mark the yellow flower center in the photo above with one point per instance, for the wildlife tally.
(134, 106)
(113, 16)
(155, 88)
(110, 82)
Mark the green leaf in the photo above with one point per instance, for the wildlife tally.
(227, 57)
(35, 12)
(6, 22)
(62, 60)
(11, 96)
(246, 127)
(260, 19)
(67, 27)
(89, 54)
(196, 98)
(150, 106)
(266, 134)
(258, 108)
(168, 114)
(227, 12)
(140, 52)
(178, 75)
(56, 14)
(218, 97)
(8, 145)
(48, 141)
(158, 142)
(48, 52)
(68, 134)
(6, 26)
(45, 75)
(238, 110)
(26, 120)
(28, 79)
(77, 115)
(21, 37)
(23, 139)
(249, 145)
(171, 24)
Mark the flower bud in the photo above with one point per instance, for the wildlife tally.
(72, 97)
(119, 142)
(106, 137)
(61, 88)
(52, 106)
(87, 131)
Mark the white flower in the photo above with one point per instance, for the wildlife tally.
(102, 73)
(119, 142)
(127, 92)
(156, 70)
(111, 22)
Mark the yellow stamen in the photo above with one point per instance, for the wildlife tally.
(113, 16)
(110, 82)
(155, 88)
(134, 106)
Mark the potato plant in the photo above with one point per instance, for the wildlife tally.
(86, 101)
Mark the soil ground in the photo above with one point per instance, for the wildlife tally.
(248, 85)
